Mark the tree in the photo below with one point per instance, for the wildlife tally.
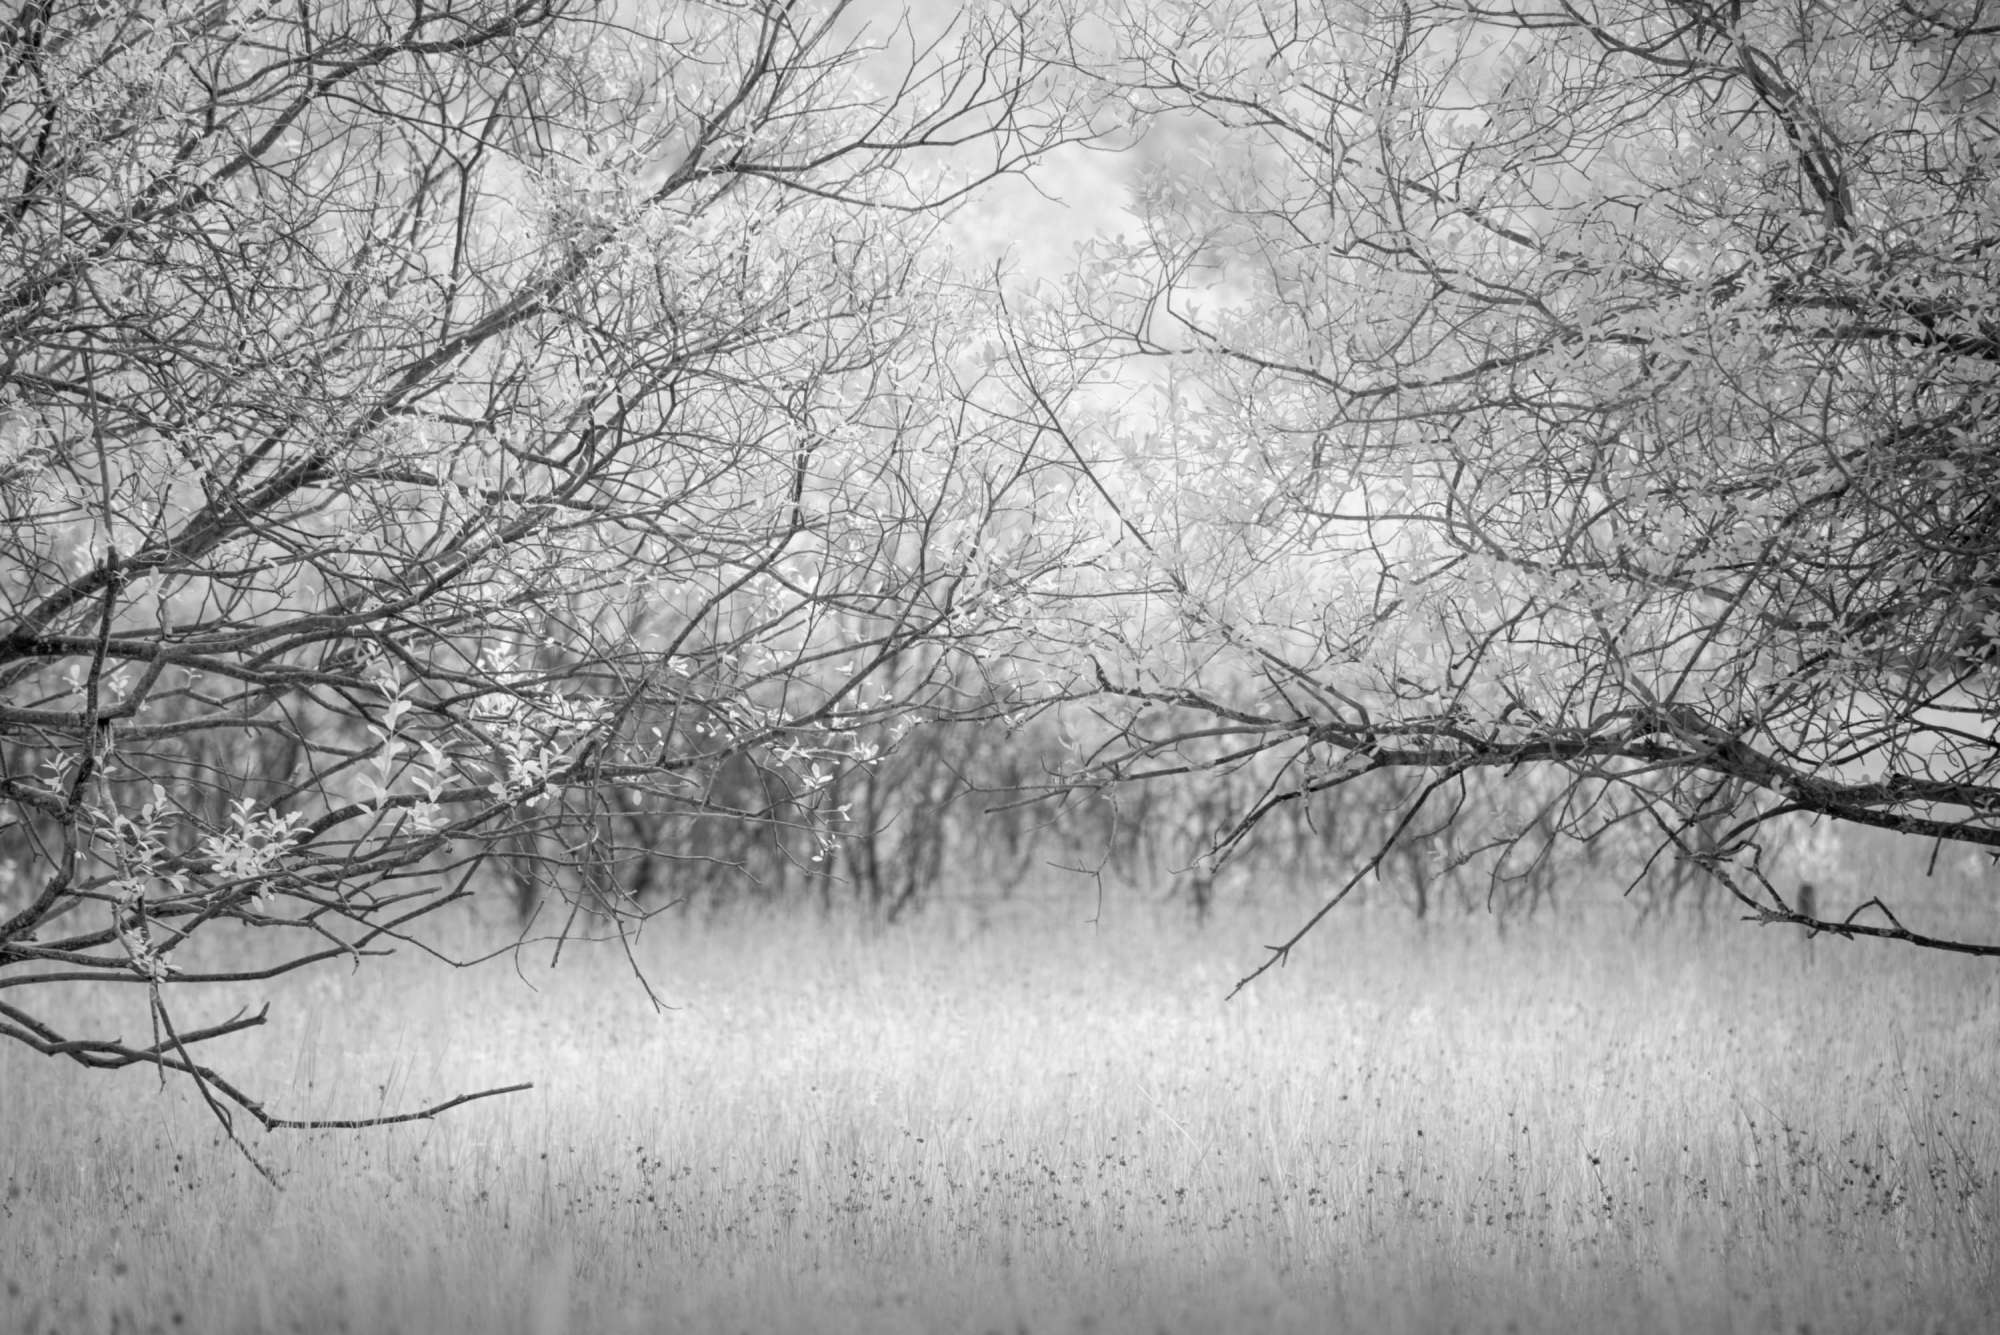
(1602, 387)
(431, 429)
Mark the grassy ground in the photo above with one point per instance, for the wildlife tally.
(1039, 1125)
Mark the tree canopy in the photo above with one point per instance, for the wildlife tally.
(1602, 388)
(505, 443)
(434, 429)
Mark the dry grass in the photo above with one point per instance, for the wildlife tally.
(1043, 1126)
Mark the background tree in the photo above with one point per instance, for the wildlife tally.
(1607, 388)
(429, 429)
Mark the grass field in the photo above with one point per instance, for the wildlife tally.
(1020, 1122)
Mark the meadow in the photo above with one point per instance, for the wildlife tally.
(1014, 1119)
